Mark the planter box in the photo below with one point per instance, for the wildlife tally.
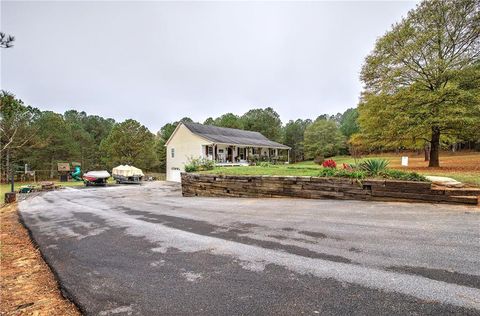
(322, 188)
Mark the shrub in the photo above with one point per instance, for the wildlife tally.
(265, 164)
(374, 166)
(330, 163)
(342, 173)
(327, 172)
(199, 164)
(353, 174)
(190, 168)
(402, 175)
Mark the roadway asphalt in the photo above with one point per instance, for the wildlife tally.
(146, 250)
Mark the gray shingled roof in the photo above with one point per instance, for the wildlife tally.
(223, 135)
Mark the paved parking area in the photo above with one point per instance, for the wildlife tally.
(146, 250)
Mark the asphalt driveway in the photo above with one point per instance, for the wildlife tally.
(146, 250)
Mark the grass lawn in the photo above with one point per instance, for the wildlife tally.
(4, 188)
(464, 167)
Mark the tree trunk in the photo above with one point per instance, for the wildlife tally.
(7, 167)
(435, 150)
(427, 151)
(51, 168)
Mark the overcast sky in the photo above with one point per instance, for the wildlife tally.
(160, 61)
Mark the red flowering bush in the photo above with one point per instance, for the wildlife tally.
(346, 166)
(330, 163)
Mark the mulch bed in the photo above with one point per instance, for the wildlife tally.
(27, 285)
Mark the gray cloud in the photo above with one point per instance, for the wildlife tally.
(160, 61)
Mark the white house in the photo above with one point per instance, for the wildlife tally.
(226, 146)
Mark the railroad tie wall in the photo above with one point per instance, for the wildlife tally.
(194, 184)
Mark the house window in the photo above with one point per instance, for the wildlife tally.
(210, 151)
(220, 151)
(173, 152)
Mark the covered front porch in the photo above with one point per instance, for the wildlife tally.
(241, 155)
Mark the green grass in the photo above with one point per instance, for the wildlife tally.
(4, 188)
(464, 177)
(304, 168)
(464, 167)
(278, 170)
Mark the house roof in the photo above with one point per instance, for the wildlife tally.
(223, 135)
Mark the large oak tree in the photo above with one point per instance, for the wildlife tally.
(414, 78)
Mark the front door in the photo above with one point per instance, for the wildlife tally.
(229, 154)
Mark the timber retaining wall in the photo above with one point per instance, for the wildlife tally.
(194, 184)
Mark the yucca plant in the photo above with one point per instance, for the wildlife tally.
(374, 166)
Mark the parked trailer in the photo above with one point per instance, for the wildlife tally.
(127, 174)
(96, 178)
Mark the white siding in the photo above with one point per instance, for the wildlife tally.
(185, 145)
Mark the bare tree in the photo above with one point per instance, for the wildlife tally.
(6, 40)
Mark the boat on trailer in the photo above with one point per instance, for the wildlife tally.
(96, 178)
(127, 174)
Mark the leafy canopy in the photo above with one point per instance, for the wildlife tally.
(265, 121)
(294, 138)
(415, 89)
(226, 120)
(130, 143)
(323, 138)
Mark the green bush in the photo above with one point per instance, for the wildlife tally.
(352, 174)
(402, 175)
(190, 168)
(362, 174)
(265, 164)
(374, 167)
(199, 164)
(327, 172)
(342, 173)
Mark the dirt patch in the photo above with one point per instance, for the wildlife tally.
(27, 284)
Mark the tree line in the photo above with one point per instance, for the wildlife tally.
(41, 139)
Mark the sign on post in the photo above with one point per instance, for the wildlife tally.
(405, 161)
